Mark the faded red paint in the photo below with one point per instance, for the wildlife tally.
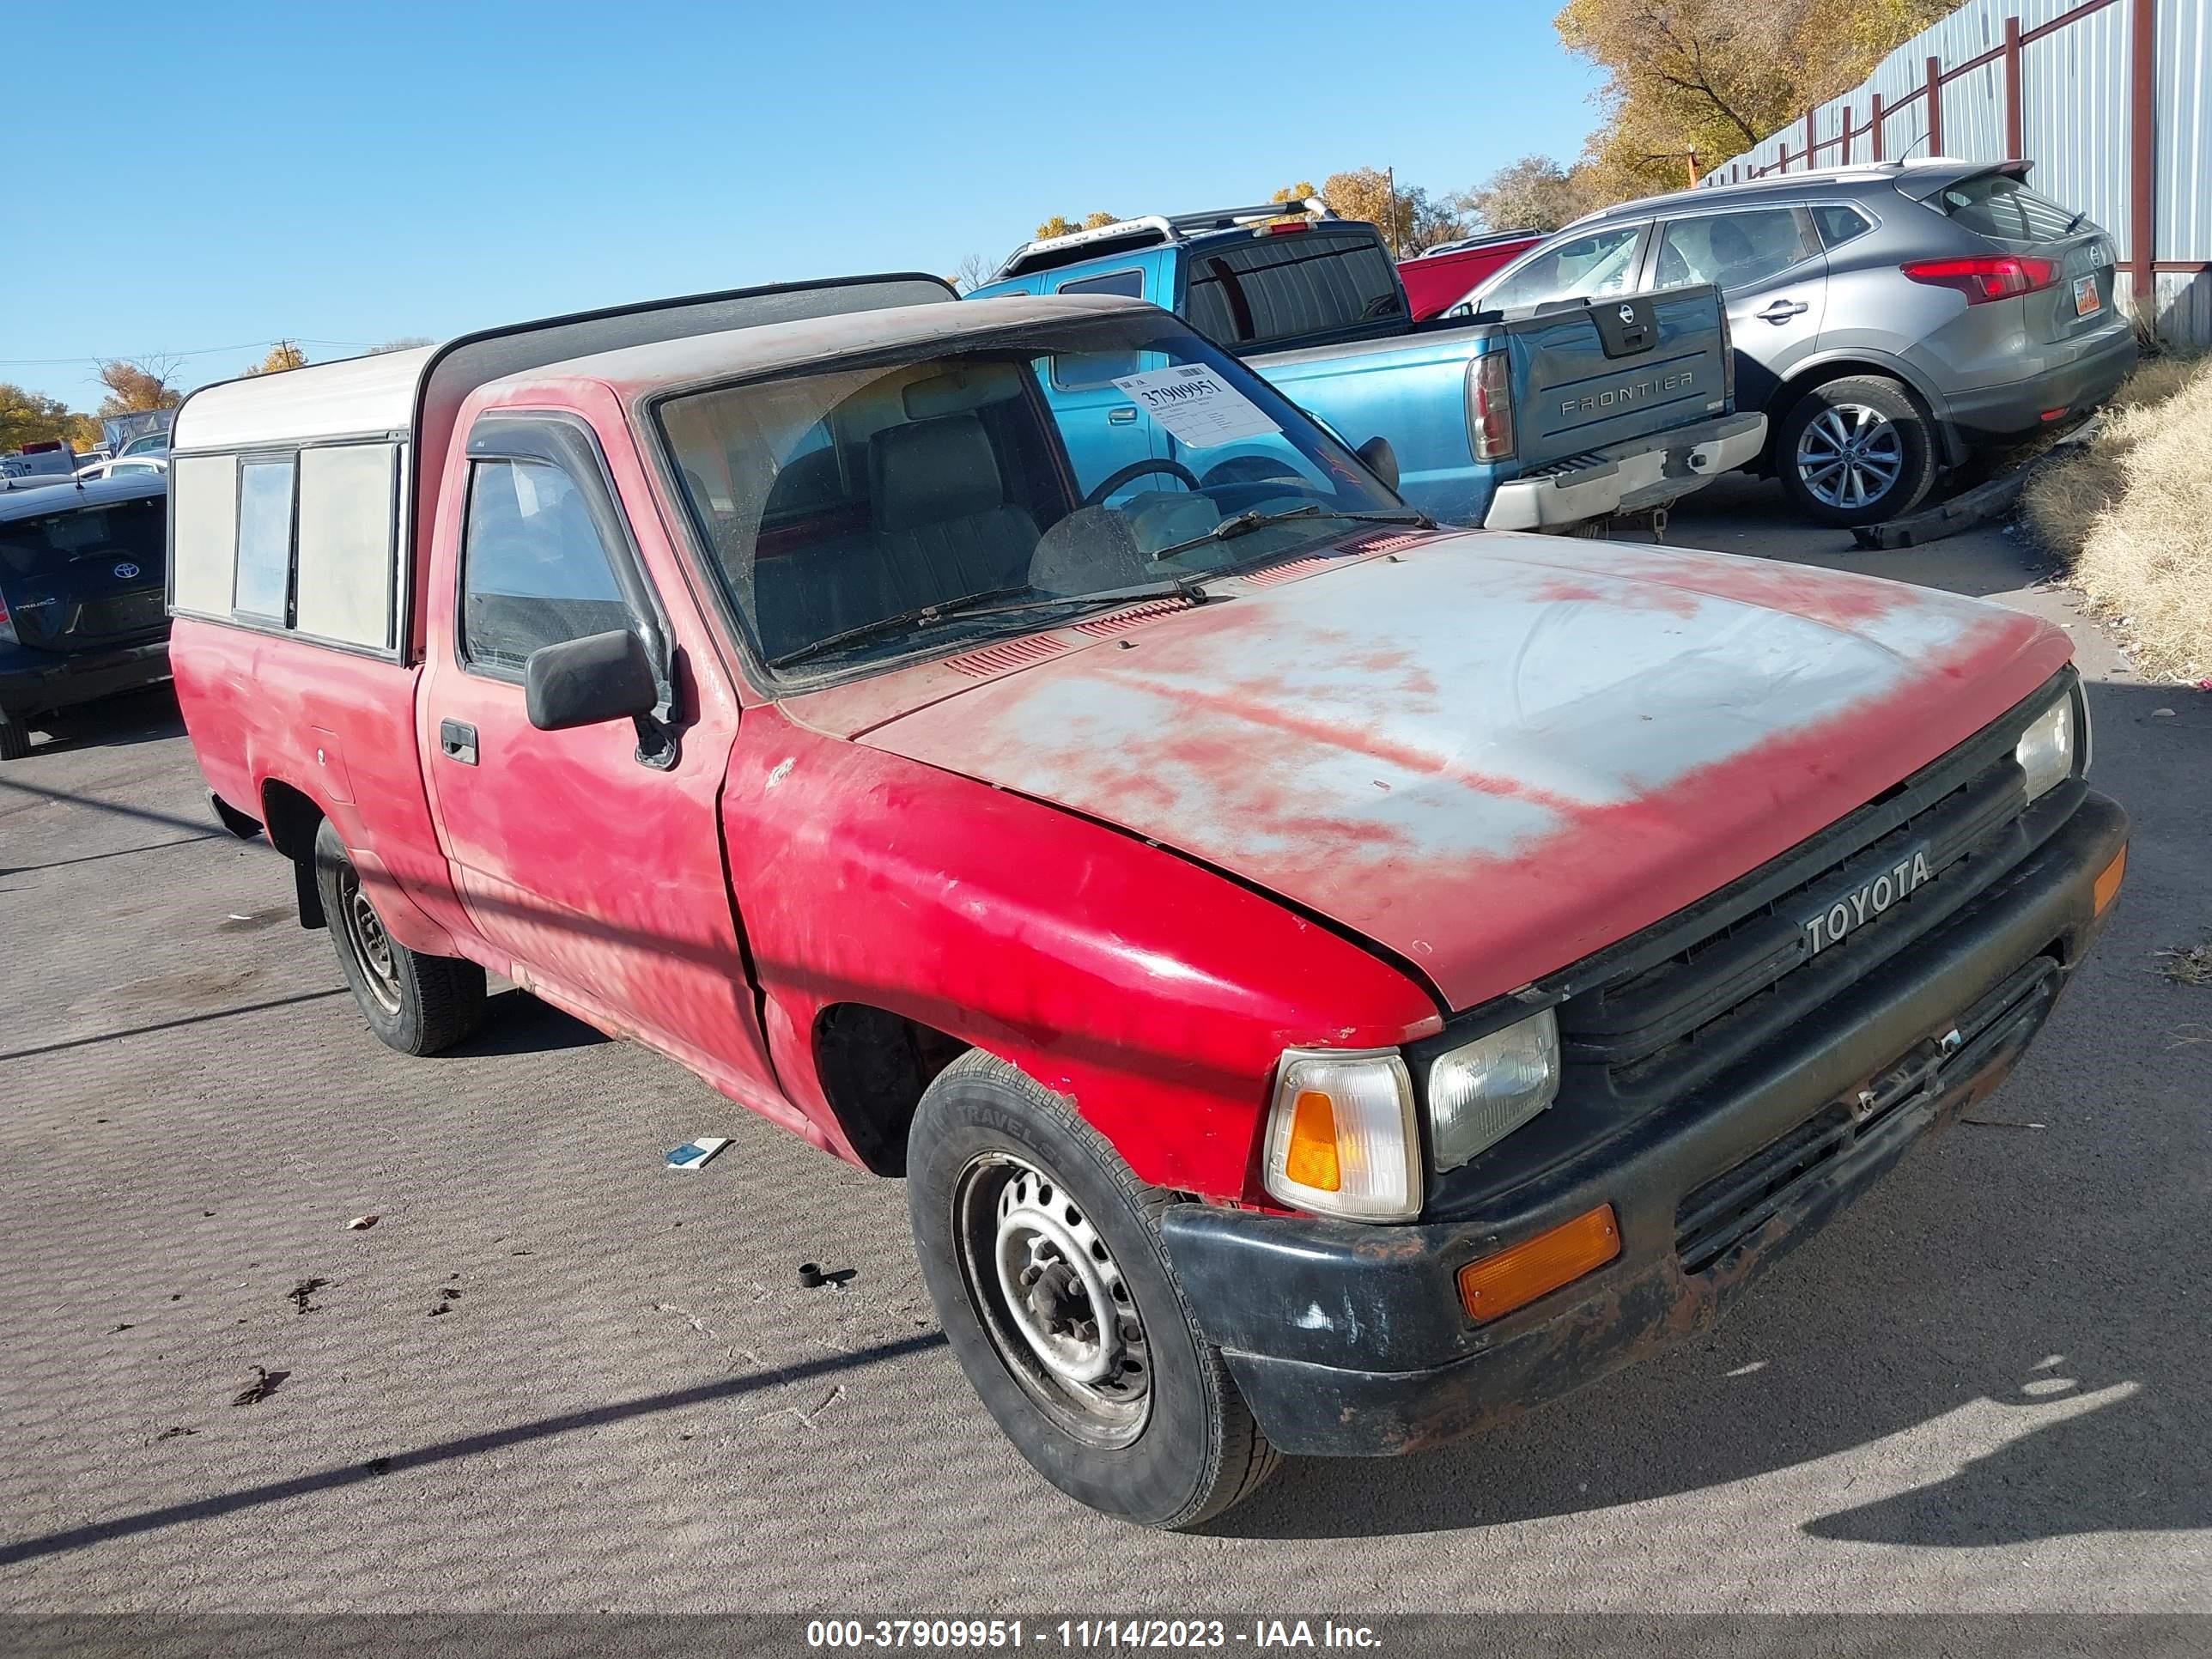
(714, 911)
(1206, 736)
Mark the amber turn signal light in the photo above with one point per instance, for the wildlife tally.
(1497, 1285)
(1313, 1143)
(2107, 884)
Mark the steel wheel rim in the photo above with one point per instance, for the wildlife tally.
(1053, 1300)
(371, 945)
(1850, 456)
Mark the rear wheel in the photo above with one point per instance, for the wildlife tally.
(417, 1003)
(15, 738)
(1856, 451)
(1043, 1255)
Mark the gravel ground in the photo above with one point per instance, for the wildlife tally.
(555, 1376)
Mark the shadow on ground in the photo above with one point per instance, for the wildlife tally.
(517, 1023)
(147, 715)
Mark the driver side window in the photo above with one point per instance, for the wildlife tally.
(533, 570)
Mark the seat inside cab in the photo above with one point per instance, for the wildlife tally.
(915, 486)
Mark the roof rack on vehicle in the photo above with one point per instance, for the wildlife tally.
(1230, 218)
(1488, 238)
(1149, 230)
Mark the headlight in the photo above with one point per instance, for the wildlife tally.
(1481, 1093)
(2045, 749)
(1341, 1141)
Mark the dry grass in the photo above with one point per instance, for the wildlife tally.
(2130, 512)
(2190, 967)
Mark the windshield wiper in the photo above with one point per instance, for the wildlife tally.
(992, 602)
(919, 616)
(1241, 524)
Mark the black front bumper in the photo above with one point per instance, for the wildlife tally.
(35, 682)
(1349, 1339)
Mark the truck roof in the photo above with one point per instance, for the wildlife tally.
(353, 398)
(1151, 230)
(734, 354)
(388, 393)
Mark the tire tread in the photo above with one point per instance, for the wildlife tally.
(1242, 1460)
(1880, 392)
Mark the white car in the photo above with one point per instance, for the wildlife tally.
(122, 464)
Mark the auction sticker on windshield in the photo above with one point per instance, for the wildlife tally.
(1196, 406)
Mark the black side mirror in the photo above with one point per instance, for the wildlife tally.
(1381, 459)
(587, 682)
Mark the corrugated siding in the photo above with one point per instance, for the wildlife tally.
(2075, 122)
(2184, 131)
(2184, 306)
(2074, 117)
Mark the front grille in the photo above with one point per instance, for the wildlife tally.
(1679, 1004)
(1735, 1204)
(1724, 1211)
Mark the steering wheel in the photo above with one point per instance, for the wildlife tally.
(1121, 475)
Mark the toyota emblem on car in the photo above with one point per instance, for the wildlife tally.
(126, 570)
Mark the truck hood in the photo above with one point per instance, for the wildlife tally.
(1493, 755)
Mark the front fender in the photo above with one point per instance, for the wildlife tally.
(1155, 993)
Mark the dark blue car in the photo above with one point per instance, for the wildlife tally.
(82, 573)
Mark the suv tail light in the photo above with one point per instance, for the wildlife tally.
(7, 628)
(1490, 406)
(1993, 276)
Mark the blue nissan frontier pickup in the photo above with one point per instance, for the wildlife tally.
(1595, 403)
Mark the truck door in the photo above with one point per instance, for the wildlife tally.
(1773, 279)
(1101, 426)
(595, 863)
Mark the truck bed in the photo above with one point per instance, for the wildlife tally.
(1571, 398)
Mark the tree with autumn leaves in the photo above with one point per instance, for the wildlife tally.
(1709, 79)
(1687, 84)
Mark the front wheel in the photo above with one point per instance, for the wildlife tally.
(417, 1004)
(1855, 452)
(1043, 1253)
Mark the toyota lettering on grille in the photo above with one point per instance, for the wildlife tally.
(1865, 902)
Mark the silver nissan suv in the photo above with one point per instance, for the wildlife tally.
(1886, 317)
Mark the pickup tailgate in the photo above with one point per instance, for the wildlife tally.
(1596, 373)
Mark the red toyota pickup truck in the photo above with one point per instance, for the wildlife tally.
(1328, 981)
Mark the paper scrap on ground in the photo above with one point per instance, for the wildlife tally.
(694, 1154)
(1196, 406)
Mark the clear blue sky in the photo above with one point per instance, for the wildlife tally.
(351, 173)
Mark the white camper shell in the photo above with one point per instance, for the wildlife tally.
(297, 500)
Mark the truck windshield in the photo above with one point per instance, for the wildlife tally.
(863, 512)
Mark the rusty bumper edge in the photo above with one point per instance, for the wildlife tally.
(1643, 1303)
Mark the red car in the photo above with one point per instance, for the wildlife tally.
(1328, 981)
(1443, 275)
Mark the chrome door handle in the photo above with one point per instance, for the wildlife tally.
(1782, 310)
